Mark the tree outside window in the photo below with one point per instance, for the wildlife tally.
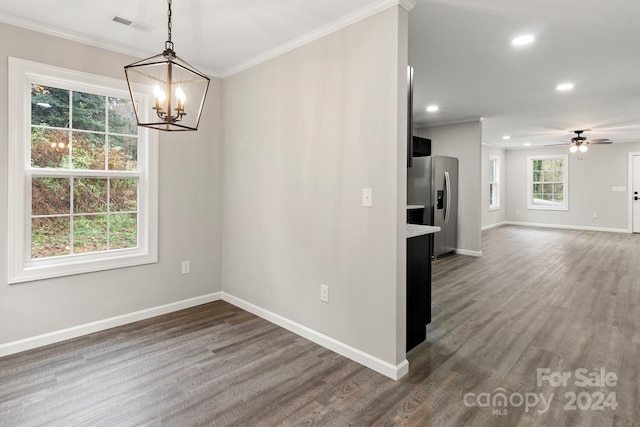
(547, 182)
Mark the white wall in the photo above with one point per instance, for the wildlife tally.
(189, 213)
(304, 134)
(591, 176)
(464, 141)
(495, 216)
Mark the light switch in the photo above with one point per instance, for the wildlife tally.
(367, 197)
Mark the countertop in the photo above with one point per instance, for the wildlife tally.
(410, 207)
(415, 230)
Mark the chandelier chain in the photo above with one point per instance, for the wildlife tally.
(169, 20)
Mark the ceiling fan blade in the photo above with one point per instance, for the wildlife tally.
(600, 141)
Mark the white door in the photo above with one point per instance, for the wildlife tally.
(635, 193)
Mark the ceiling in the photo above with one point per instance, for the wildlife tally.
(460, 49)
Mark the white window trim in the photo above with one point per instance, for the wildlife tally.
(565, 187)
(21, 268)
(496, 183)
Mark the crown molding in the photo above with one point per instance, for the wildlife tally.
(325, 30)
(83, 38)
(407, 4)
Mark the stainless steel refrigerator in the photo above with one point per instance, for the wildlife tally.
(432, 181)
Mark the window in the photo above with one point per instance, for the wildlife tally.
(548, 182)
(494, 182)
(82, 176)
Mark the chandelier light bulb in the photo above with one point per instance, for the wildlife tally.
(583, 148)
(182, 97)
(573, 148)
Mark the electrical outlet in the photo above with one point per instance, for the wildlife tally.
(367, 197)
(186, 267)
(595, 215)
(324, 293)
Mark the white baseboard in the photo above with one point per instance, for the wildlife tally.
(101, 325)
(568, 227)
(394, 372)
(469, 253)
(490, 226)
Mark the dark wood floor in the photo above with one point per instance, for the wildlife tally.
(538, 298)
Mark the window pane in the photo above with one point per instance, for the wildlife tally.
(549, 176)
(88, 151)
(89, 195)
(49, 148)
(50, 196)
(49, 106)
(88, 111)
(537, 176)
(123, 153)
(558, 164)
(558, 189)
(122, 118)
(89, 233)
(123, 195)
(50, 237)
(123, 231)
(537, 165)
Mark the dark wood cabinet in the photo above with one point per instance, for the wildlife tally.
(421, 147)
(418, 289)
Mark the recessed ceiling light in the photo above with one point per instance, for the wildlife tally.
(506, 137)
(432, 108)
(564, 86)
(523, 40)
(527, 144)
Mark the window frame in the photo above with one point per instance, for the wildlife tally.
(21, 266)
(565, 182)
(494, 163)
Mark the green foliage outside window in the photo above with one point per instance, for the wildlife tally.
(548, 182)
(81, 131)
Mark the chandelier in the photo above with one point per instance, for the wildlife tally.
(177, 89)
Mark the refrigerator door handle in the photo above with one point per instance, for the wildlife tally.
(447, 183)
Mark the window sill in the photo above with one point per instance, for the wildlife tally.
(548, 208)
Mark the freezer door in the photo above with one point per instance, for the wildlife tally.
(451, 235)
(439, 192)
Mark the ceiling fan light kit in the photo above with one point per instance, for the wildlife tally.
(581, 143)
(177, 89)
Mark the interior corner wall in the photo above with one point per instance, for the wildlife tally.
(304, 134)
(494, 216)
(592, 176)
(464, 141)
(189, 213)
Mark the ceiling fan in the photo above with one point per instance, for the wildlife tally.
(580, 142)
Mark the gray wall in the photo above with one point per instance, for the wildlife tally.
(189, 213)
(464, 141)
(304, 134)
(591, 176)
(496, 216)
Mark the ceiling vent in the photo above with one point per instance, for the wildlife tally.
(131, 23)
